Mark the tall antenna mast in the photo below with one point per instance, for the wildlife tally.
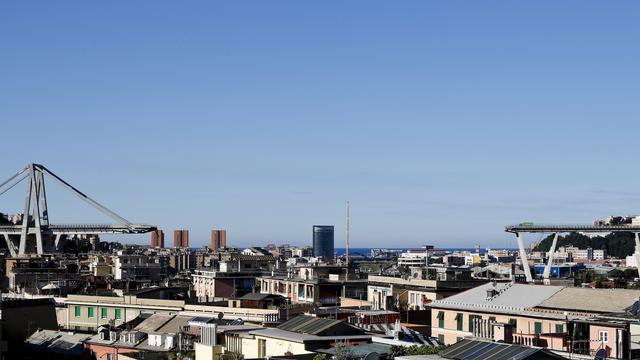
(347, 234)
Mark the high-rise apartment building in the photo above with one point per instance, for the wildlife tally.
(218, 239)
(157, 239)
(181, 238)
(323, 241)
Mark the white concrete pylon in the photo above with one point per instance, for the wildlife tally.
(523, 257)
(552, 251)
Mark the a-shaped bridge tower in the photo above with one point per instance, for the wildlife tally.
(33, 224)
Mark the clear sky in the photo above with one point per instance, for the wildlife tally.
(440, 121)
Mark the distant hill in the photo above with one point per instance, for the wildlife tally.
(618, 244)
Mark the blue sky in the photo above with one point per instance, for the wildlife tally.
(441, 121)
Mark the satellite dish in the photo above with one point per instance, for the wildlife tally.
(220, 315)
(372, 356)
(601, 355)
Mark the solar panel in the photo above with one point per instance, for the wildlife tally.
(478, 352)
(201, 319)
(468, 349)
(308, 324)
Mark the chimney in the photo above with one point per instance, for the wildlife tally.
(493, 291)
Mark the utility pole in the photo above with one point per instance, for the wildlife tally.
(347, 234)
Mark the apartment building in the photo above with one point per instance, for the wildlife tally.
(319, 284)
(160, 334)
(33, 273)
(414, 258)
(231, 275)
(87, 313)
(135, 267)
(534, 315)
(417, 289)
(575, 253)
(180, 260)
(298, 336)
(210, 285)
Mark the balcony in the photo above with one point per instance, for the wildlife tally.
(553, 341)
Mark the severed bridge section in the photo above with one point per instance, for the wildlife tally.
(33, 224)
(555, 229)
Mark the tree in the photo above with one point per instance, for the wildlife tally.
(396, 350)
(321, 356)
(617, 244)
(616, 273)
(630, 273)
(345, 352)
(422, 350)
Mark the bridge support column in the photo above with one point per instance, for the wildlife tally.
(523, 257)
(58, 236)
(34, 190)
(636, 252)
(10, 245)
(36, 213)
(25, 215)
(552, 251)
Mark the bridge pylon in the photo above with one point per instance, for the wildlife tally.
(34, 223)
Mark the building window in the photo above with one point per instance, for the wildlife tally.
(90, 312)
(118, 314)
(603, 336)
(492, 320)
(441, 319)
(441, 338)
(262, 348)
(473, 319)
(514, 323)
(458, 339)
(109, 356)
(103, 313)
(537, 328)
(459, 319)
(559, 328)
(77, 311)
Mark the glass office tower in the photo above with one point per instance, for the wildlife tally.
(323, 241)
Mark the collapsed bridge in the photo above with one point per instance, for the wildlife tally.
(529, 227)
(33, 224)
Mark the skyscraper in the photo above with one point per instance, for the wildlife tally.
(157, 239)
(181, 238)
(218, 239)
(323, 241)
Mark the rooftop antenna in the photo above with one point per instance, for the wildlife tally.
(347, 234)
